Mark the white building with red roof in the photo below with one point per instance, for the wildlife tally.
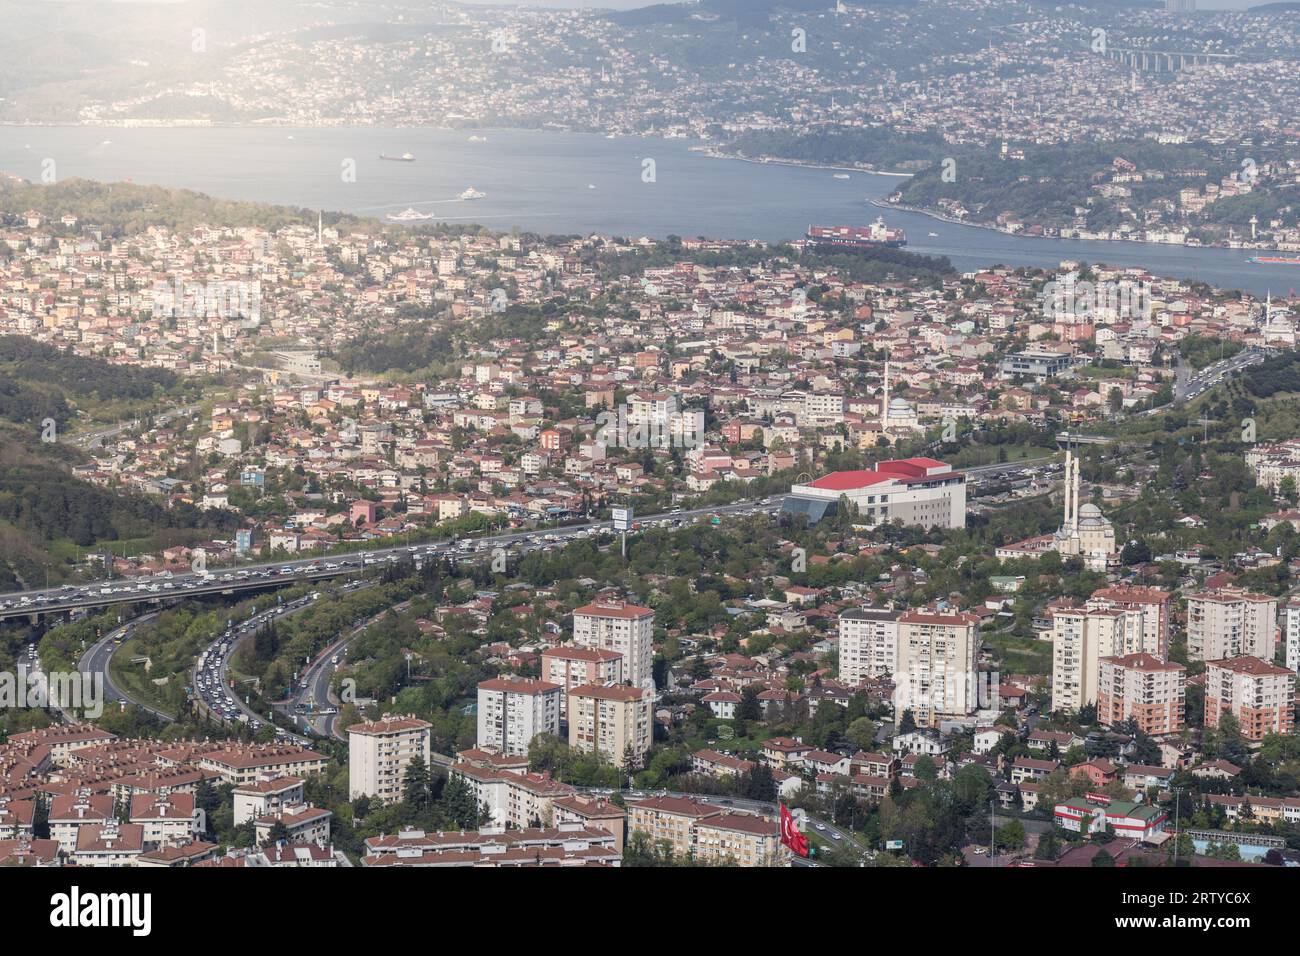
(920, 491)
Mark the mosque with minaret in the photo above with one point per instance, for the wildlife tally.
(1085, 531)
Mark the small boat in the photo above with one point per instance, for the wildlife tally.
(933, 235)
(404, 158)
(478, 139)
(471, 193)
(840, 176)
(591, 186)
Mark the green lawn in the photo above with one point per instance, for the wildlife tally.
(973, 455)
(1021, 655)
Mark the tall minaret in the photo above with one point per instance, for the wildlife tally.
(884, 401)
(1074, 499)
(1065, 516)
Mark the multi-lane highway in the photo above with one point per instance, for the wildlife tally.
(95, 438)
(276, 573)
(210, 677)
(312, 703)
(99, 656)
(1192, 386)
(248, 577)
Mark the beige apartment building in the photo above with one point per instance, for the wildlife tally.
(707, 832)
(614, 720)
(738, 839)
(379, 752)
(1081, 637)
(1258, 693)
(166, 821)
(245, 764)
(1144, 688)
(936, 676)
(593, 813)
(626, 629)
(1230, 622)
(571, 666)
(514, 710)
(1154, 606)
(868, 644)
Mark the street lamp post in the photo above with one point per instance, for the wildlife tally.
(1178, 793)
(992, 842)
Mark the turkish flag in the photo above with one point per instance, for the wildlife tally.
(790, 834)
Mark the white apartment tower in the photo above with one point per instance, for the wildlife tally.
(615, 721)
(868, 645)
(626, 629)
(514, 710)
(1290, 619)
(379, 752)
(1230, 622)
(1081, 637)
(936, 677)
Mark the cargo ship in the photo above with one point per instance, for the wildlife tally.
(858, 237)
(1275, 260)
(404, 158)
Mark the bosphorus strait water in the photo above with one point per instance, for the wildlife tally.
(566, 183)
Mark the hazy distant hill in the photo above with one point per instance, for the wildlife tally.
(742, 11)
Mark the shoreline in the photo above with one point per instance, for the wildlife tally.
(951, 220)
(800, 164)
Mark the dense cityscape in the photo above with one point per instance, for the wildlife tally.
(354, 541)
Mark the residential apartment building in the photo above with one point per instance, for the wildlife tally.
(253, 800)
(592, 813)
(936, 678)
(1144, 688)
(614, 720)
(244, 764)
(514, 710)
(379, 752)
(1081, 637)
(1230, 622)
(110, 844)
(1154, 607)
(510, 796)
(571, 666)
(1289, 617)
(626, 629)
(565, 844)
(71, 812)
(703, 831)
(739, 839)
(302, 824)
(868, 644)
(166, 821)
(1259, 694)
